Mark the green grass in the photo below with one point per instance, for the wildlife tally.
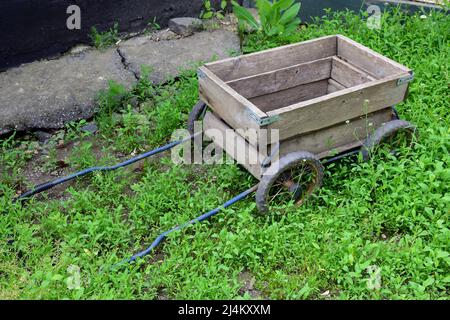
(390, 217)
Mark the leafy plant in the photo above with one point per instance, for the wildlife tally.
(51, 161)
(152, 26)
(144, 89)
(277, 17)
(110, 100)
(13, 156)
(102, 40)
(209, 11)
(82, 156)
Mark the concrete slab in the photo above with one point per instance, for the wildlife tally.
(185, 26)
(48, 94)
(167, 57)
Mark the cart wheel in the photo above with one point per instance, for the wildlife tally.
(396, 134)
(292, 178)
(197, 113)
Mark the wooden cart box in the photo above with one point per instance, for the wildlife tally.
(324, 95)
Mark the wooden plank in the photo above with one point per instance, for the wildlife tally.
(282, 79)
(233, 144)
(337, 107)
(338, 150)
(290, 96)
(334, 86)
(368, 60)
(227, 103)
(272, 59)
(348, 75)
(338, 138)
(356, 69)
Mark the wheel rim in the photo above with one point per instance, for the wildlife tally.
(295, 184)
(396, 141)
(390, 139)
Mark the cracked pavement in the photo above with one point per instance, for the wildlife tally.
(48, 94)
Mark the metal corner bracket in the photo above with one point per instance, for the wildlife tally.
(201, 74)
(405, 79)
(263, 121)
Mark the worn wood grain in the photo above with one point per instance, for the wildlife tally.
(307, 87)
(227, 103)
(233, 144)
(337, 138)
(272, 59)
(334, 86)
(348, 75)
(282, 79)
(368, 60)
(290, 96)
(336, 107)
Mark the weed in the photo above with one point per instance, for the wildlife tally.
(278, 18)
(13, 156)
(102, 40)
(209, 12)
(82, 156)
(51, 161)
(152, 26)
(111, 99)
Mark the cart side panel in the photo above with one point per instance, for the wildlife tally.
(337, 107)
(338, 138)
(234, 109)
(334, 86)
(282, 79)
(272, 59)
(290, 96)
(364, 58)
(348, 75)
(234, 145)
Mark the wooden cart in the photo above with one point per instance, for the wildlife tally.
(325, 96)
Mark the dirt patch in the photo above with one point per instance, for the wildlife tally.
(248, 281)
(37, 172)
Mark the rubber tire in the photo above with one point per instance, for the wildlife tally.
(195, 115)
(287, 162)
(383, 132)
